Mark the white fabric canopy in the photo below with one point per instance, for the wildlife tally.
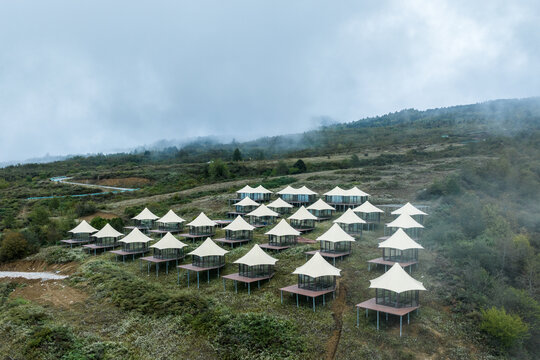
(337, 191)
(247, 201)
(279, 203)
(354, 191)
(108, 232)
(245, 190)
(335, 234)
(83, 228)
(367, 208)
(349, 217)
(282, 229)
(239, 224)
(302, 214)
(261, 190)
(202, 220)
(405, 221)
(256, 256)
(400, 241)
(317, 267)
(135, 236)
(397, 280)
(208, 248)
(170, 218)
(320, 205)
(288, 190)
(168, 242)
(408, 209)
(146, 215)
(305, 191)
(261, 211)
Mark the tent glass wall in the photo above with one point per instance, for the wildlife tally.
(303, 224)
(202, 230)
(400, 255)
(255, 270)
(135, 247)
(391, 298)
(318, 283)
(239, 234)
(168, 253)
(208, 261)
(335, 247)
(282, 240)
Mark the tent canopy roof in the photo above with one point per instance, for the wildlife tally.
(282, 229)
(83, 228)
(170, 218)
(262, 190)
(404, 221)
(146, 215)
(397, 280)
(337, 191)
(316, 267)
(349, 217)
(239, 224)
(135, 236)
(256, 256)
(108, 232)
(354, 191)
(302, 214)
(279, 203)
(335, 234)
(400, 241)
(245, 190)
(320, 205)
(168, 242)
(208, 248)
(367, 208)
(202, 220)
(305, 191)
(247, 201)
(408, 209)
(261, 211)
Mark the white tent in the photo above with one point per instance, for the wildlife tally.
(83, 228)
(262, 211)
(247, 201)
(245, 190)
(337, 191)
(108, 232)
(283, 229)
(408, 209)
(367, 208)
(279, 203)
(145, 215)
(202, 220)
(316, 267)
(170, 218)
(302, 214)
(288, 190)
(135, 236)
(320, 205)
(168, 242)
(405, 222)
(256, 256)
(239, 224)
(335, 234)
(305, 191)
(354, 191)
(400, 241)
(208, 248)
(397, 280)
(261, 190)
(349, 217)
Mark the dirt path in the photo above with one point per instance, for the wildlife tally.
(38, 265)
(338, 306)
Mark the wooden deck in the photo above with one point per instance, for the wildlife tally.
(157, 261)
(303, 240)
(127, 253)
(371, 304)
(95, 247)
(163, 232)
(195, 237)
(244, 279)
(75, 242)
(329, 255)
(274, 247)
(232, 242)
(222, 223)
(386, 263)
(295, 290)
(197, 269)
(304, 230)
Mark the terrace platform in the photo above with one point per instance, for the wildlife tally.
(303, 240)
(295, 290)
(127, 253)
(371, 304)
(75, 242)
(95, 247)
(157, 261)
(274, 247)
(163, 232)
(387, 263)
(232, 242)
(305, 230)
(236, 278)
(329, 255)
(222, 223)
(195, 237)
(197, 269)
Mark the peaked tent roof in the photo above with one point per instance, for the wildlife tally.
(349, 217)
(208, 248)
(404, 221)
(317, 267)
(83, 228)
(305, 191)
(335, 234)
(302, 214)
(247, 201)
(108, 232)
(320, 205)
(282, 229)
(202, 220)
(256, 256)
(397, 280)
(367, 208)
(245, 190)
(261, 211)
(288, 190)
(262, 190)
(408, 209)
(168, 242)
(146, 215)
(337, 191)
(279, 203)
(400, 241)
(170, 218)
(135, 236)
(354, 191)
(239, 224)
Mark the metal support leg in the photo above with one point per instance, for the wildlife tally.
(367, 313)
(408, 318)
(208, 276)
(297, 301)
(281, 291)
(224, 284)
(386, 316)
(167, 268)
(197, 279)
(157, 270)
(258, 284)
(217, 272)
(249, 288)
(357, 317)
(314, 304)
(235, 286)
(400, 325)
(377, 320)
(323, 300)
(178, 272)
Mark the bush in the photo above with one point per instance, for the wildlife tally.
(507, 329)
(85, 208)
(59, 255)
(14, 246)
(98, 222)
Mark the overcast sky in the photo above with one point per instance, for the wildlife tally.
(95, 76)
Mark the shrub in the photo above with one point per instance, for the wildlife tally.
(14, 246)
(507, 329)
(98, 222)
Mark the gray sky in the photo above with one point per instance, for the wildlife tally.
(95, 76)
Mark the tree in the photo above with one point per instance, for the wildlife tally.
(218, 170)
(505, 328)
(300, 165)
(237, 155)
(281, 168)
(355, 161)
(14, 246)
(98, 222)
